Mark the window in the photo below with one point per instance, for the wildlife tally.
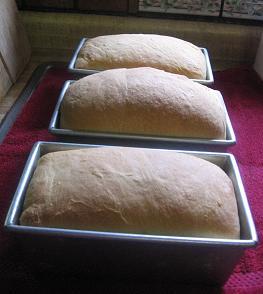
(223, 9)
(252, 9)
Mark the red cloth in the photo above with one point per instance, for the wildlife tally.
(243, 94)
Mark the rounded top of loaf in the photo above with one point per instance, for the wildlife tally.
(143, 101)
(135, 50)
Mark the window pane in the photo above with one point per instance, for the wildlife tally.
(252, 9)
(197, 7)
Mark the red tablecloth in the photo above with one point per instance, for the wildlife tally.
(243, 94)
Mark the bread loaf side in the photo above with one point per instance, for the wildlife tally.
(143, 101)
(135, 50)
(132, 190)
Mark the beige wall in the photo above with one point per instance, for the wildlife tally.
(227, 44)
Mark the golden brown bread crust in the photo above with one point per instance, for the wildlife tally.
(143, 101)
(136, 50)
(132, 190)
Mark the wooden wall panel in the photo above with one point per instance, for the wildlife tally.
(14, 45)
(60, 4)
(123, 6)
(104, 5)
(133, 6)
(19, 3)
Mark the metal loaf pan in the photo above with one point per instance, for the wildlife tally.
(55, 129)
(209, 73)
(202, 260)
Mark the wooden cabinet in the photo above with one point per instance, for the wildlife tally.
(14, 45)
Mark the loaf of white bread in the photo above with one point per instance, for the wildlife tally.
(132, 190)
(136, 50)
(143, 101)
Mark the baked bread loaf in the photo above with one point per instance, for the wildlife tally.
(136, 50)
(132, 190)
(143, 101)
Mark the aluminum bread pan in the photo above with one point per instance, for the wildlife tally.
(71, 67)
(225, 161)
(55, 129)
(184, 259)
